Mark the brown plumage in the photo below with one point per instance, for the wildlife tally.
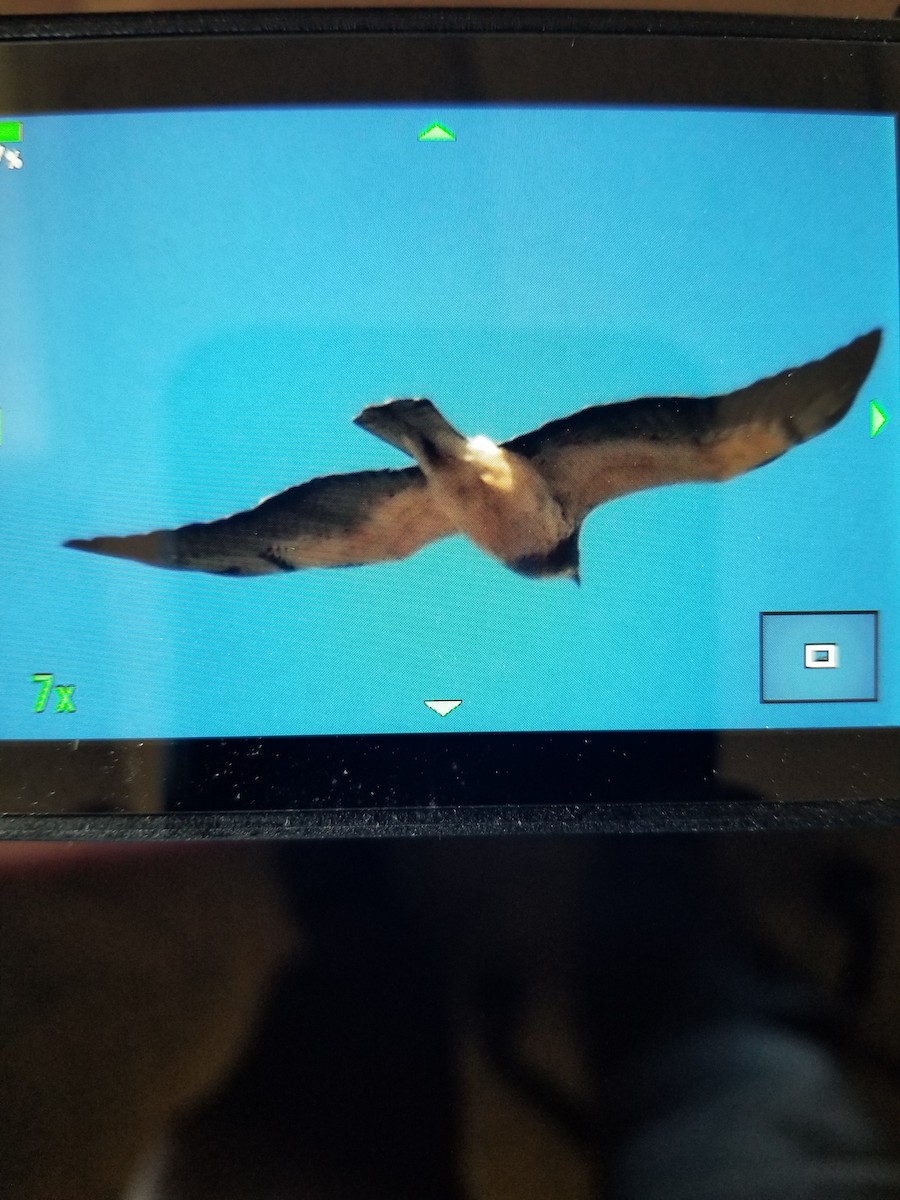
(522, 501)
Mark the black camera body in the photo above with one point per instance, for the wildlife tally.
(572, 336)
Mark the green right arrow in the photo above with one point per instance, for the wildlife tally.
(878, 418)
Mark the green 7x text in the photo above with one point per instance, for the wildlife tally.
(64, 694)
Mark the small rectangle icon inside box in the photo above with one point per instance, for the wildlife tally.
(10, 131)
(818, 657)
(821, 654)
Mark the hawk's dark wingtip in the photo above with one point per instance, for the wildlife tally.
(847, 369)
(812, 398)
(98, 545)
(863, 351)
(150, 548)
(850, 364)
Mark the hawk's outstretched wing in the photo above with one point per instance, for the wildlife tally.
(609, 450)
(335, 521)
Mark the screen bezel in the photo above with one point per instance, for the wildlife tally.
(458, 783)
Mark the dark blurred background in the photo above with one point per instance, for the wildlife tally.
(415, 1019)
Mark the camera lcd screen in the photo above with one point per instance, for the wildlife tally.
(352, 421)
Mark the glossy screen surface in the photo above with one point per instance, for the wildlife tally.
(196, 304)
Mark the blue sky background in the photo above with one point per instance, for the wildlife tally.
(195, 305)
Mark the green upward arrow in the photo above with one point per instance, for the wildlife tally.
(437, 133)
(878, 418)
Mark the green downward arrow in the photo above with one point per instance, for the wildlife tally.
(878, 418)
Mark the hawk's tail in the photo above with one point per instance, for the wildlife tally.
(414, 426)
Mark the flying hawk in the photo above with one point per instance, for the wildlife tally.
(522, 501)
